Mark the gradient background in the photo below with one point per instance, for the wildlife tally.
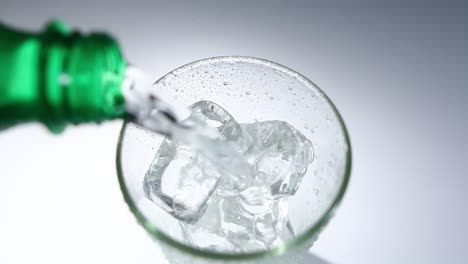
(397, 70)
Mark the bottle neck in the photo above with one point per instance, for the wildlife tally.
(59, 77)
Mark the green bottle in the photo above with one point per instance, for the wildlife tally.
(59, 77)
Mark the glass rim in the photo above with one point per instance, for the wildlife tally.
(275, 251)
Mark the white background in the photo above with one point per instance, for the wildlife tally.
(397, 71)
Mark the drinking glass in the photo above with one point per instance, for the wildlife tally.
(250, 89)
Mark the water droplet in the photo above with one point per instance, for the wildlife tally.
(316, 191)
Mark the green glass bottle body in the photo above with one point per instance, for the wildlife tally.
(59, 77)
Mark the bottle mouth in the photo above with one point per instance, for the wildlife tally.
(302, 238)
(82, 80)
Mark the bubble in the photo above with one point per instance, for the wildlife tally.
(248, 93)
(225, 83)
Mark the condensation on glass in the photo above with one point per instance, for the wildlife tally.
(251, 90)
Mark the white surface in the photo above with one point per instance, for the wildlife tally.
(60, 200)
(396, 71)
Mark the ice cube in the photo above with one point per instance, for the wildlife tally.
(215, 116)
(237, 224)
(221, 208)
(265, 228)
(232, 164)
(152, 184)
(273, 227)
(281, 155)
(207, 232)
(181, 180)
(228, 226)
(197, 179)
